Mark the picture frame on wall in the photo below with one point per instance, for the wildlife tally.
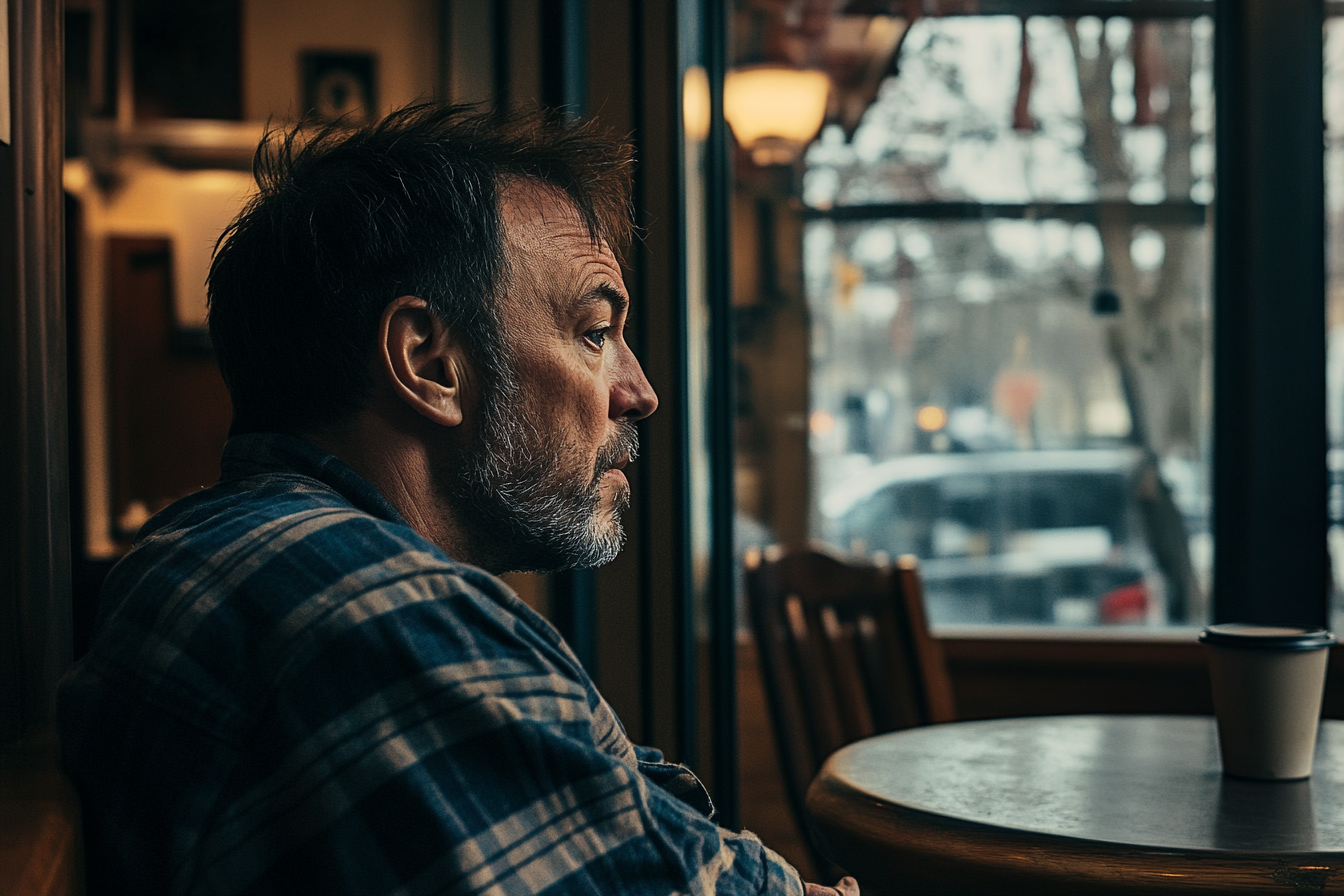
(339, 85)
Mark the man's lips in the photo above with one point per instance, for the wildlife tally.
(617, 468)
(608, 468)
(616, 453)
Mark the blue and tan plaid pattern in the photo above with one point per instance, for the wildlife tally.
(292, 692)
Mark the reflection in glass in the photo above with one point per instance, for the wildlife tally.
(1334, 211)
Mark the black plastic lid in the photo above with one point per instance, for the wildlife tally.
(1267, 637)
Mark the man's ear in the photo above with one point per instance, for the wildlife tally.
(421, 360)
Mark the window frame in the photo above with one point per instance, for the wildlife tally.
(1269, 479)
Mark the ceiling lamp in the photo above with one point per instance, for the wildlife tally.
(774, 110)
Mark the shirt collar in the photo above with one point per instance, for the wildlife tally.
(263, 453)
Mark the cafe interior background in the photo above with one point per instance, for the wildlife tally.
(992, 283)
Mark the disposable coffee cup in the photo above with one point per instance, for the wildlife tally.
(1267, 688)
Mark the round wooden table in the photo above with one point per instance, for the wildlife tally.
(1077, 805)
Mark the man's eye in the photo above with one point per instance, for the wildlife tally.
(598, 337)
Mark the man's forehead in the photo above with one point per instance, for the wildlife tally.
(535, 212)
(553, 253)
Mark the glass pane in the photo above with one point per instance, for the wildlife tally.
(955, 125)
(1334, 216)
(1005, 275)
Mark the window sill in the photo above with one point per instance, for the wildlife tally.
(1174, 634)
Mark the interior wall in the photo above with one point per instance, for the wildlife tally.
(403, 35)
(144, 198)
(147, 200)
(469, 44)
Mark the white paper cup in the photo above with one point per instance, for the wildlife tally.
(1267, 688)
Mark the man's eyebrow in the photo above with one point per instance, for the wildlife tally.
(605, 294)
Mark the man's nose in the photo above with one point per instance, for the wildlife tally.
(632, 396)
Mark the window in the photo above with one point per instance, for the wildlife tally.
(1003, 295)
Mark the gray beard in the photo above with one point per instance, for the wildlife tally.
(525, 511)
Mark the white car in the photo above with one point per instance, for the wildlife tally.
(1007, 536)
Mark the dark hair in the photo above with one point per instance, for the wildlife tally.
(345, 221)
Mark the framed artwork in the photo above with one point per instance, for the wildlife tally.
(339, 85)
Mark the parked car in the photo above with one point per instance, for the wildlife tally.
(1007, 537)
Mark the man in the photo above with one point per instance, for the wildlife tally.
(305, 678)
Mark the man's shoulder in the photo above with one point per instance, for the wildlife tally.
(247, 581)
(284, 539)
(284, 532)
(272, 512)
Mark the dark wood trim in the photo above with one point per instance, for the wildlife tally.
(34, 480)
(647, 667)
(1025, 676)
(1002, 678)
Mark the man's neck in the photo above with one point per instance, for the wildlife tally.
(400, 466)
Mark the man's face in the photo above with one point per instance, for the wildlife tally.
(544, 477)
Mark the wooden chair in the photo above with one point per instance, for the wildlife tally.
(845, 653)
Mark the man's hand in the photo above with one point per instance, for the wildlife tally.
(848, 886)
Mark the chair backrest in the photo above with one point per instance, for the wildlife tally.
(845, 653)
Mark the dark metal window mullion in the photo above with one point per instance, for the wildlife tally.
(1270, 480)
(689, 53)
(722, 421)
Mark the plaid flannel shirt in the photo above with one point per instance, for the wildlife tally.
(291, 691)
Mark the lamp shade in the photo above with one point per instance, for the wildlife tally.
(774, 110)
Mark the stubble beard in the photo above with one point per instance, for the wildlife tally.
(528, 512)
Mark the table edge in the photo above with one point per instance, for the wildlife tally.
(869, 835)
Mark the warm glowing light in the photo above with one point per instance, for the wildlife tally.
(931, 418)
(822, 423)
(774, 110)
(695, 103)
